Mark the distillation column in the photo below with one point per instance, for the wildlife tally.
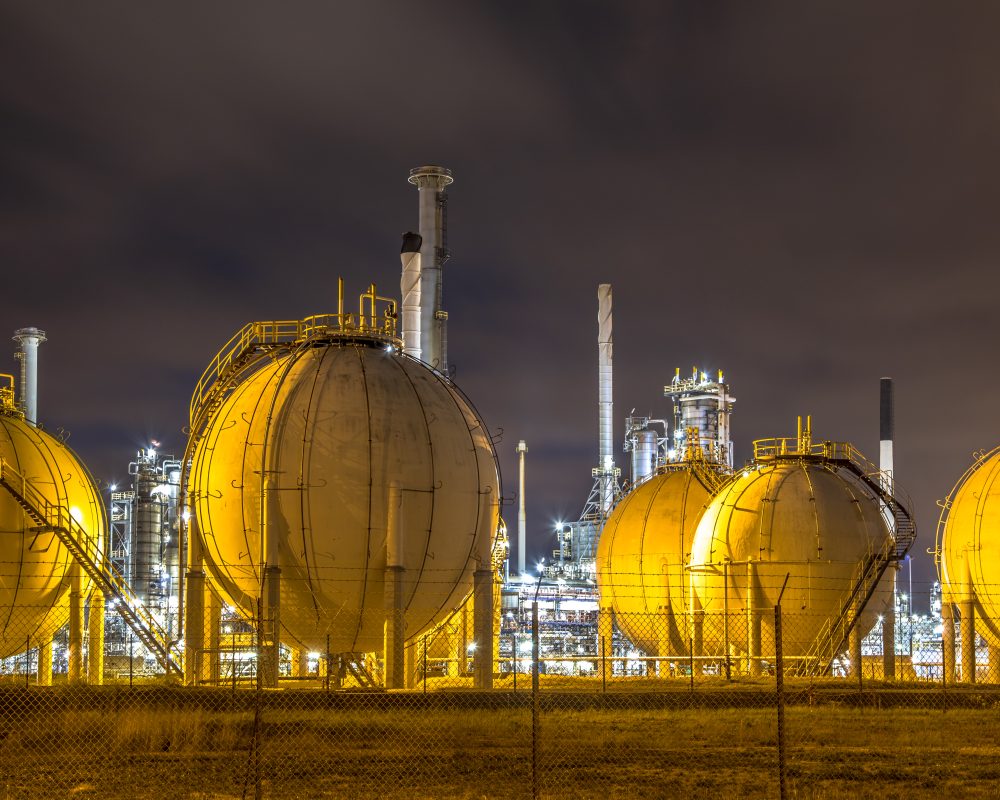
(431, 182)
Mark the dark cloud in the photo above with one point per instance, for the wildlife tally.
(802, 194)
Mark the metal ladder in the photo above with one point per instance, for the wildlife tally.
(834, 635)
(87, 553)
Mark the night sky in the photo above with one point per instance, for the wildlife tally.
(803, 194)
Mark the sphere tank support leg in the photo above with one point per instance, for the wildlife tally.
(854, 649)
(194, 626)
(482, 623)
(394, 639)
(967, 629)
(95, 645)
(212, 669)
(45, 663)
(993, 669)
(75, 625)
(948, 642)
(271, 633)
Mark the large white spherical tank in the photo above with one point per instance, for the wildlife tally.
(328, 428)
(970, 545)
(800, 518)
(34, 589)
(641, 556)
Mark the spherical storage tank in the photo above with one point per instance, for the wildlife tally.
(798, 513)
(641, 556)
(307, 447)
(969, 544)
(34, 589)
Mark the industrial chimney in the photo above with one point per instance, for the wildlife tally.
(886, 435)
(431, 182)
(522, 449)
(606, 462)
(410, 292)
(885, 427)
(28, 340)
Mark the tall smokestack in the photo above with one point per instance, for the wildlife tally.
(28, 339)
(606, 463)
(410, 291)
(885, 427)
(431, 182)
(522, 449)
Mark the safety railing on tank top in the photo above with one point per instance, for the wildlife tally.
(87, 552)
(375, 319)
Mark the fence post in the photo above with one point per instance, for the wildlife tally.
(535, 653)
(513, 658)
(131, 658)
(691, 660)
(779, 674)
(604, 668)
(258, 787)
(725, 618)
(425, 665)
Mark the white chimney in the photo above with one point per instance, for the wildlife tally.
(29, 339)
(606, 463)
(431, 182)
(410, 291)
(522, 448)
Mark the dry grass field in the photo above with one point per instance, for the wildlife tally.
(164, 744)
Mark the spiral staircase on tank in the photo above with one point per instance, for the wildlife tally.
(57, 519)
(835, 634)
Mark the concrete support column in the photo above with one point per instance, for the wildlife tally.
(392, 599)
(662, 621)
(95, 645)
(753, 623)
(75, 624)
(194, 626)
(462, 646)
(889, 646)
(948, 641)
(410, 665)
(697, 637)
(967, 630)
(270, 633)
(395, 641)
(45, 663)
(482, 609)
(994, 664)
(213, 669)
(854, 650)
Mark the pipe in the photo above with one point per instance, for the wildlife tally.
(410, 291)
(522, 449)
(29, 339)
(431, 182)
(606, 461)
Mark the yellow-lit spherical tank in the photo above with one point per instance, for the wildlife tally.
(310, 444)
(969, 544)
(641, 556)
(803, 517)
(34, 590)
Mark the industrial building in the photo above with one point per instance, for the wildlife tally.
(336, 514)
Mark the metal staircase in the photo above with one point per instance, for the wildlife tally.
(86, 551)
(833, 638)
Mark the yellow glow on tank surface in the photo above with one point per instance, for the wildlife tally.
(792, 517)
(306, 448)
(970, 545)
(641, 557)
(34, 587)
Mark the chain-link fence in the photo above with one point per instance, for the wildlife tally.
(579, 701)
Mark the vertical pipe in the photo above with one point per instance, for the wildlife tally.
(410, 291)
(522, 449)
(431, 182)
(29, 339)
(605, 343)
